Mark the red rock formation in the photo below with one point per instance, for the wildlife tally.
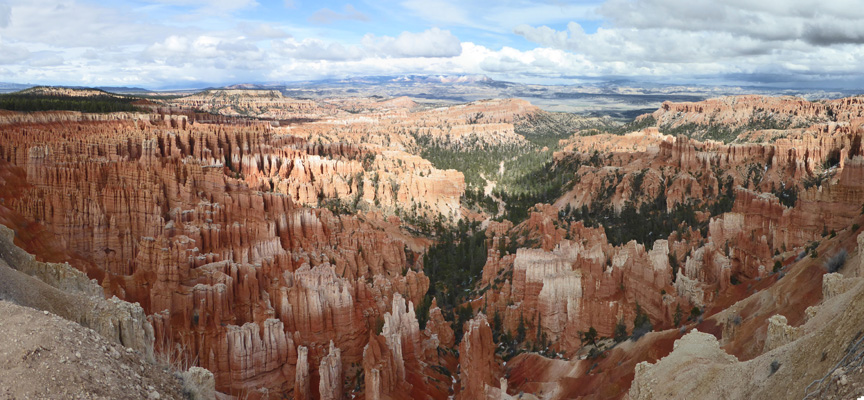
(741, 110)
(330, 375)
(396, 362)
(234, 279)
(301, 380)
(577, 284)
(477, 363)
(206, 225)
(438, 334)
(384, 370)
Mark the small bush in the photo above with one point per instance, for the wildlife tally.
(775, 365)
(736, 320)
(836, 261)
(777, 266)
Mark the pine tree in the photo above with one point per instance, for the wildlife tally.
(589, 337)
(520, 330)
(620, 331)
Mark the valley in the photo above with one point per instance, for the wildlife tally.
(388, 246)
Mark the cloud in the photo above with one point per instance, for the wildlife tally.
(315, 49)
(73, 24)
(263, 31)
(46, 59)
(429, 43)
(507, 63)
(657, 45)
(498, 16)
(210, 6)
(206, 51)
(826, 33)
(12, 54)
(163, 41)
(328, 16)
(690, 38)
(814, 21)
(5, 15)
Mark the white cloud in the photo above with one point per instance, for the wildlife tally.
(699, 37)
(656, 45)
(206, 51)
(89, 42)
(315, 49)
(429, 43)
(263, 31)
(507, 63)
(46, 59)
(328, 16)
(12, 54)
(814, 21)
(69, 23)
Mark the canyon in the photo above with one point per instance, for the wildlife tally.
(295, 248)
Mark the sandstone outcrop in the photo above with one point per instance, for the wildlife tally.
(478, 367)
(779, 333)
(330, 375)
(579, 283)
(697, 354)
(199, 384)
(301, 377)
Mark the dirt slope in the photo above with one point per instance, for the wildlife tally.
(43, 356)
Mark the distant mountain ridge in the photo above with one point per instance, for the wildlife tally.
(374, 80)
(6, 87)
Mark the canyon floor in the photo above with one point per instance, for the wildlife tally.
(244, 243)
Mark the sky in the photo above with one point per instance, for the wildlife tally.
(160, 44)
